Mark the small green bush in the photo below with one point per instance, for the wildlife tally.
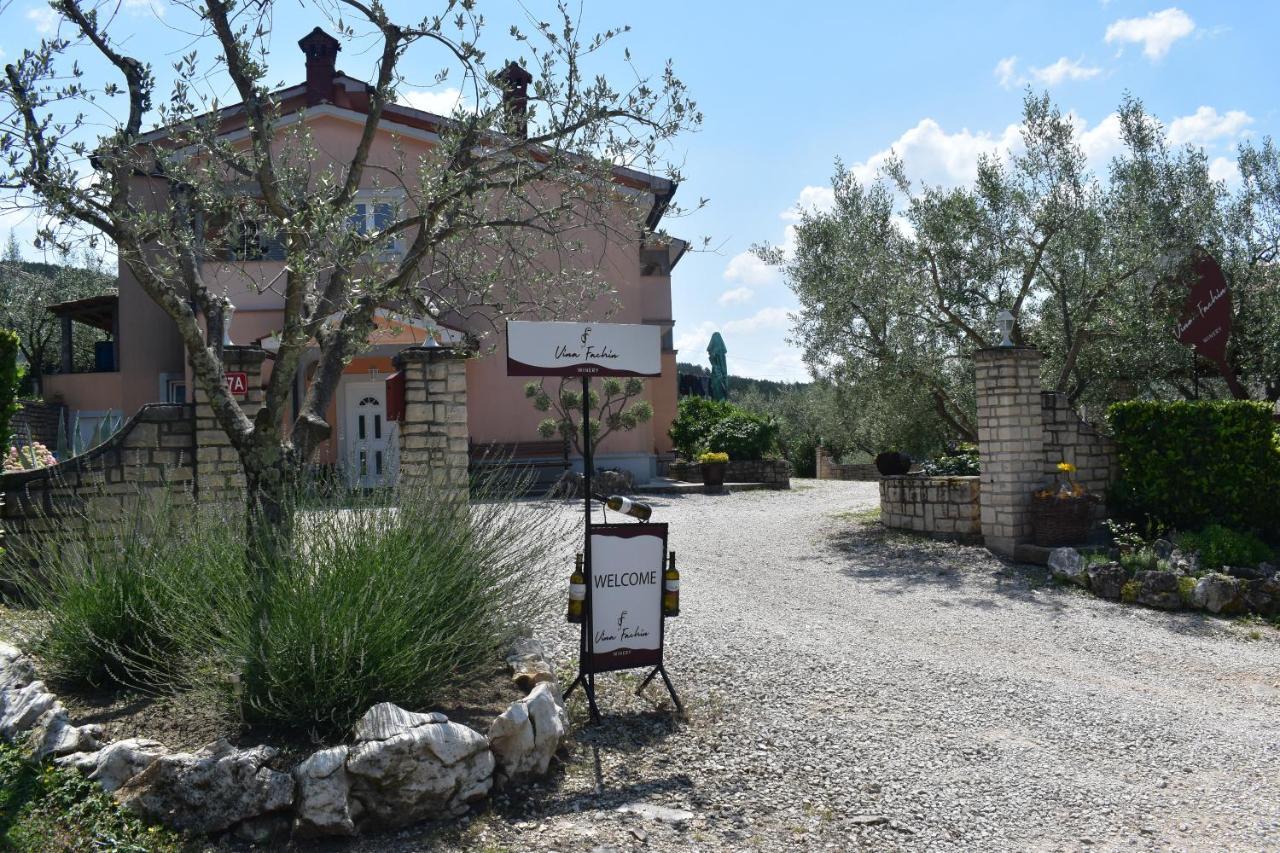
(1186, 589)
(962, 460)
(743, 436)
(695, 418)
(1186, 465)
(9, 378)
(1129, 592)
(1220, 546)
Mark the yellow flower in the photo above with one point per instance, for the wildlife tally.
(708, 458)
(1066, 468)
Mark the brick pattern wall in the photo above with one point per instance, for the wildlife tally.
(776, 473)
(829, 469)
(219, 475)
(433, 435)
(1068, 438)
(1010, 442)
(87, 495)
(942, 507)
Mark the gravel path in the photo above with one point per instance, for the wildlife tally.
(850, 689)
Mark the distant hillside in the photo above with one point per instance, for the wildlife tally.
(742, 384)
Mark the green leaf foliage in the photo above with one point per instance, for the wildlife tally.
(1187, 465)
(695, 416)
(1220, 546)
(9, 343)
(743, 436)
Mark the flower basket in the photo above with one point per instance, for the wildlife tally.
(1061, 520)
(713, 476)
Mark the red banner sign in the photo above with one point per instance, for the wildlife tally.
(1205, 324)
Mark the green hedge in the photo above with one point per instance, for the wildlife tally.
(1187, 465)
(9, 342)
(703, 424)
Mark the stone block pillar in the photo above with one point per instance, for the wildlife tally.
(219, 476)
(433, 432)
(1010, 442)
(824, 464)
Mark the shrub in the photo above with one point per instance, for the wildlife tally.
(1220, 546)
(374, 604)
(710, 458)
(1190, 464)
(960, 460)
(695, 417)
(743, 436)
(9, 375)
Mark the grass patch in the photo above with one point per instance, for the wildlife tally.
(46, 808)
(859, 516)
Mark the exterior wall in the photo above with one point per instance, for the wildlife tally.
(433, 436)
(1010, 442)
(87, 392)
(774, 472)
(1068, 438)
(942, 507)
(829, 469)
(85, 497)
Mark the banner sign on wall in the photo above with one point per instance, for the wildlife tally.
(583, 349)
(626, 595)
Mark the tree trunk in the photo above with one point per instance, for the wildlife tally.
(269, 479)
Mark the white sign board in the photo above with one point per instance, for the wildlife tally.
(583, 349)
(626, 595)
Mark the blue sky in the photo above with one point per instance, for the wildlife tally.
(786, 92)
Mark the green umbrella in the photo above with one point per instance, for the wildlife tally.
(719, 369)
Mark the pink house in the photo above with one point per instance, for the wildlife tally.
(147, 362)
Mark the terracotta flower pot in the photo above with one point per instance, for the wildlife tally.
(713, 477)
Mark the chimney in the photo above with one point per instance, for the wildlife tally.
(515, 82)
(321, 50)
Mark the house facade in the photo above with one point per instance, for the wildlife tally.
(145, 361)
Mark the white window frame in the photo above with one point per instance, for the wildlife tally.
(394, 198)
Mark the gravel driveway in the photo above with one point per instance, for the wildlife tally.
(852, 689)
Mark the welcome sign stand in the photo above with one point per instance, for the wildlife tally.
(622, 625)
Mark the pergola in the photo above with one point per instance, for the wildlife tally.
(99, 312)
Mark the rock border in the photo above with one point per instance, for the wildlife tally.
(402, 767)
(1234, 591)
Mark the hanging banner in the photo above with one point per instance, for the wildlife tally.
(625, 578)
(583, 349)
(1205, 323)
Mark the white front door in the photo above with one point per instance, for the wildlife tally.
(371, 452)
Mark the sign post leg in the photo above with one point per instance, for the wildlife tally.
(586, 677)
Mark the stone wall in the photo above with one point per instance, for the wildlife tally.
(1010, 442)
(776, 473)
(1068, 438)
(829, 469)
(219, 475)
(942, 507)
(88, 494)
(433, 435)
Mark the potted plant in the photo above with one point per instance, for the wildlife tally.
(713, 466)
(1062, 514)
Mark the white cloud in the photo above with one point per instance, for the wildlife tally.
(43, 19)
(765, 318)
(1006, 72)
(441, 103)
(737, 294)
(1156, 32)
(1205, 125)
(1064, 69)
(1100, 143)
(1225, 169)
(746, 268)
(934, 156)
(813, 199)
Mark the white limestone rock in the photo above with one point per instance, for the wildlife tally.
(1066, 564)
(386, 720)
(323, 805)
(53, 735)
(115, 763)
(22, 707)
(429, 770)
(525, 737)
(210, 790)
